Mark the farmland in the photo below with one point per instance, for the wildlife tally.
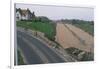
(87, 26)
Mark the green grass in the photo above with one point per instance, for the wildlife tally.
(47, 28)
(20, 59)
(88, 27)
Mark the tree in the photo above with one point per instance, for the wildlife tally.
(33, 14)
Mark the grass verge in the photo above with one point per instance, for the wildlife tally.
(48, 28)
(20, 59)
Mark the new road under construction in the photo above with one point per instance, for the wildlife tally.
(35, 50)
(71, 36)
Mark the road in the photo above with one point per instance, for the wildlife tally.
(70, 36)
(34, 51)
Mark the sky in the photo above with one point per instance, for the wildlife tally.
(60, 12)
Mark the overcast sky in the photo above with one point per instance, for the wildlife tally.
(59, 12)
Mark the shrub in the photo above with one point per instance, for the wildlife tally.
(74, 52)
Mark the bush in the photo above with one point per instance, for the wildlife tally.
(87, 57)
(74, 52)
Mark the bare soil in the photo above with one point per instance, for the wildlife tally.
(67, 39)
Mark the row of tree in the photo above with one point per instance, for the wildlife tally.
(72, 21)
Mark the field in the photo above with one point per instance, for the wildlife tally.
(86, 26)
(47, 28)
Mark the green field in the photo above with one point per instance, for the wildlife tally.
(85, 25)
(47, 28)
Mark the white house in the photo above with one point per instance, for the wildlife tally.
(18, 16)
(23, 14)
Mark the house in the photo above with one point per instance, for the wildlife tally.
(24, 14)
(18, 16)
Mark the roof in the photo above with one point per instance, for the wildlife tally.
(24, 12)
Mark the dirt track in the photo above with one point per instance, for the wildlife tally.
(71, 36)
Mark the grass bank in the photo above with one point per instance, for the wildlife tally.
(20, 59)
(48, 28)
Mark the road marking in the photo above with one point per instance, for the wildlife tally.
(40, 54)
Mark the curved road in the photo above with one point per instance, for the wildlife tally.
(30, 46)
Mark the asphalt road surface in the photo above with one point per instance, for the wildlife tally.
(32, 49)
